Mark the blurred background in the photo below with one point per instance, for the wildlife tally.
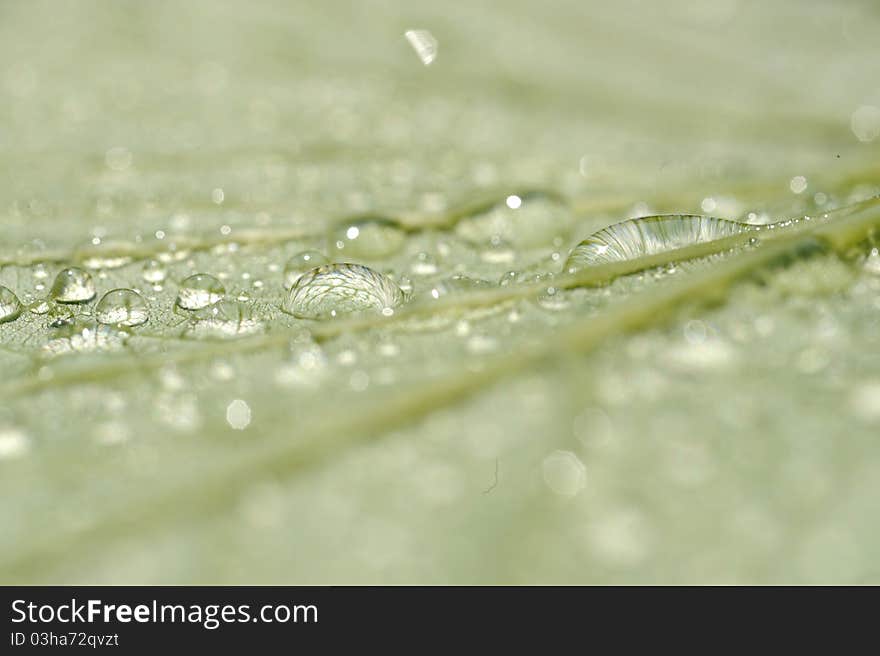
(738, 444)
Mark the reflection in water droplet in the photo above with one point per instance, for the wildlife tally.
(10, 306)
(523, 221)
(122, 307)
(367, 238)
(198, 291)
(153, 271)
(334, 289)
(73, 285)
(636, 238)
(300, 263)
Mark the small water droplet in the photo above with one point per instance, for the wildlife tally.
(636, 238)
(153, 271)
(424, 43)
(73, 285)
(198, 291)
(330, 290)
(424, 264)
(122, 307)
(368, 238)
(300, 263)
(238, 414)
(40, 306)
(564, 473)
(10, 306)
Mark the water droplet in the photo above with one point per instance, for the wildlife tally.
(238, 414)
(102, 254)
(73, 285)
(154, 271)
(424, 43)
(524, 221)
(40, 306)
(865, 123)
(227, 318)
(798, 184)
(13, 443)
(564, 473)
(424, 264)
(636, 238)
(300, 263)
(368, 238)
(122, 307)
(198, 291)
(334, 289)
(457, 284)
(10, 306)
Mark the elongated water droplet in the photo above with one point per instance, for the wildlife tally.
(73, 285)
(10, 306)
(198, 291)
(454, 285)
(523, 221)
(300, 263)
(122, 307)
(334, 289)
(153, 271)
(368, 238)
(648, 236)
(227, 318)
(103, 254)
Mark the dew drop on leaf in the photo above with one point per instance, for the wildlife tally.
(73, 285)
(650, 235)
(10, 306)
(199, 291)
(369, 238)
(300, 263)
(122, 307)
(330, 290)
(153, 271)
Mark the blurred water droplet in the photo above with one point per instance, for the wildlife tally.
(153, 271)
(424, 264)
(424, 43)
(300, 263)
(865, 123)
(122, 307)
(564, 473)
(636, 238)
(238, 414)
(10, 306)
(523, 221)
(198, 291)
(73, 285)
(13, 443)
(334, 289)
(367, 238)
(798, 184)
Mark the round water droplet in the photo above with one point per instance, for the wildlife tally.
(122, 307)
(153, 271)
(522, 221)
(73, 285)
(368, 238)
(650, 235)
(300, 263)
(334, 289)
(198, 291)
(10, 306)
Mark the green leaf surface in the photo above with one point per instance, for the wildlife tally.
(705, 415)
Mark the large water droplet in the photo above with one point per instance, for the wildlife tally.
(73, 285)
(526, 221)
(650, 235)
(10, 306)
(334, 289)
(368, 238)
(122, 307)
(300, 263)
(198, 291)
